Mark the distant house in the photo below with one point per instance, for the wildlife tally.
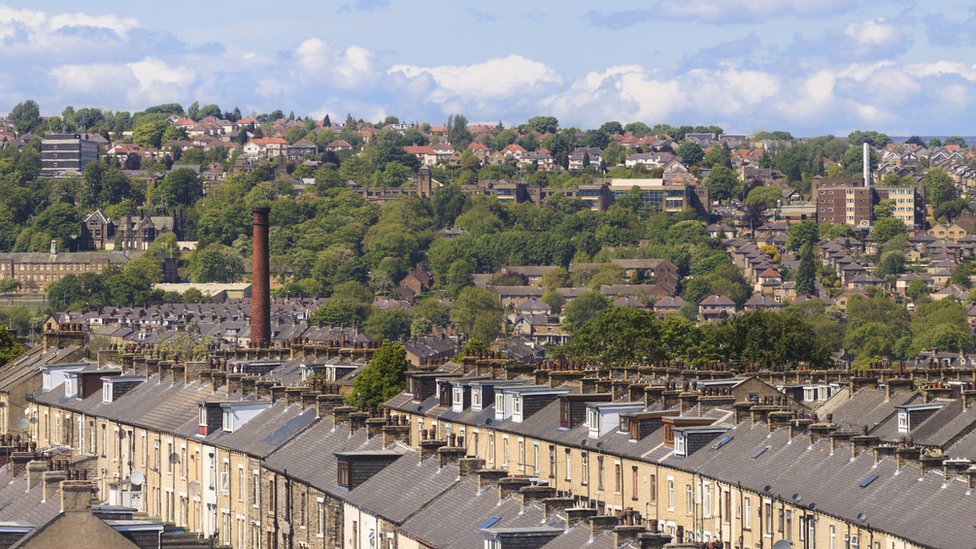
(585, 156)
(716, 308)
(415, 283)
(303, 148)
(97, 232)
(137, 233)
(338, 145)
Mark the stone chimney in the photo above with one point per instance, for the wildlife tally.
(52, 483)
(293, 395)
(905, 455)
(509, 485)
(35, 472)
(76, 496)
(470, 465)
(357, 420)
(557, 504)
(260, 280)
(602, 523)
(374, 426)
(652, 540)
(688, 401)
(235, 383)
(836, 439)
(325, 404)
(530, 494)
(576, 515)
(489, 477)
(429, 447)
(398, 429)
(860, 443)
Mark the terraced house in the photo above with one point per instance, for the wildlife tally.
(498, 454)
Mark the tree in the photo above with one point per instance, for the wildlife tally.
(954, 140)
(391, 324)
(722, 183)
(25, 116)
(476, 307)
(718, 156)
(216, 263)
(875, 139)
(691, 153)
(917, 290)
(457, 132)
(619, 336)
(447, 204)
(887, 228)
(767, 194)
(806, 271)
(180, 187)
(802, 233)
(939, 187)
(543, 124)
(149, 132)
(10, 348)
(891, 263)
(582, 309)
(915, 140)
(961, 275)
(885, 208)
(383, 378)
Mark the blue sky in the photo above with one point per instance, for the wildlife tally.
(808, 66)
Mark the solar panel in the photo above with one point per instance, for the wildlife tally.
(760, 452)
(725, 440)
(489, 523)
(868, 480)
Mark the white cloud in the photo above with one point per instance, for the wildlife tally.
(737, 11)
(317, 60)
(24, 31)
(136, 85)
(498, 78)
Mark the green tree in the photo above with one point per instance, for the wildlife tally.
(618, 336)
(581, 310)
(801, 234)
(391, 324)
(917, 290)
(722, 183)
(766, 195)
(25, 116)
(891, 264)
(887, 228)
(216, 263)
(149, 132)
(939, 187)
(954, 140)
(383, 378)
(806, 272)
(10, 348)
(181, 187)
(691, 153)
(476, 308)
(543, 124)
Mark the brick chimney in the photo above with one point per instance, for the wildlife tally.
(76, 496)
(35, 471)
(52, 483)
(260, 281)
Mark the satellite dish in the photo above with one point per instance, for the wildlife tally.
(599, 444)
(767, 488)
(583, 442)
(487, 421)
(861, 517)
(22, 423)
(174, 458)
(122, 434)
(796, 498)
(137, 478)
(33, 421)
(812, 506)
(782, 544)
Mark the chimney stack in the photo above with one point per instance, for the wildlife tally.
(866, 161)
(260, 281)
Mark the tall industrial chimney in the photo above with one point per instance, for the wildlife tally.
(260, 282)
(866, 162)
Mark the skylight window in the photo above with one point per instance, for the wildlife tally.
(760, 452)
(868, 480)
(489, 523)
(725, 440)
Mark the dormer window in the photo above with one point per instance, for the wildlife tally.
(903, 422)
(342, 478)
(228, 420)
(680, 447)
(107, 392)
(517, 408)
(476, 398)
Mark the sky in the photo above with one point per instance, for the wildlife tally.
(806, 66)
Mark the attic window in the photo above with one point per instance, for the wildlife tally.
(760, 452)
(679, 444)
(725, 440)
(868, 480)
(342, 478)
(489, 523)
(229, 420)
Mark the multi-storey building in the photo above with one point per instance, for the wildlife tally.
(849, 202)
(66, 154)
(35, 270)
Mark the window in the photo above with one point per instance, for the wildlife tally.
(599, 471)
(320, 522)
(491, 447)
(782, 520)
(653, 483)
(789, 525)
(689, 499)
(768, 518)
(521, 455)
(255, 486)
(728, 506)
(706, 497)
(552, 461)
(679, 444)
(184, 465)
(105, 444)
(535, 459)
(670, 494)
(585, 468)
(634, 483)
(747, 514)
(833, 537)
(343, 474)
(569, 465)
(240, 483)
(504, 451)
(225, 478)
(156, 456)
(169, 458)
